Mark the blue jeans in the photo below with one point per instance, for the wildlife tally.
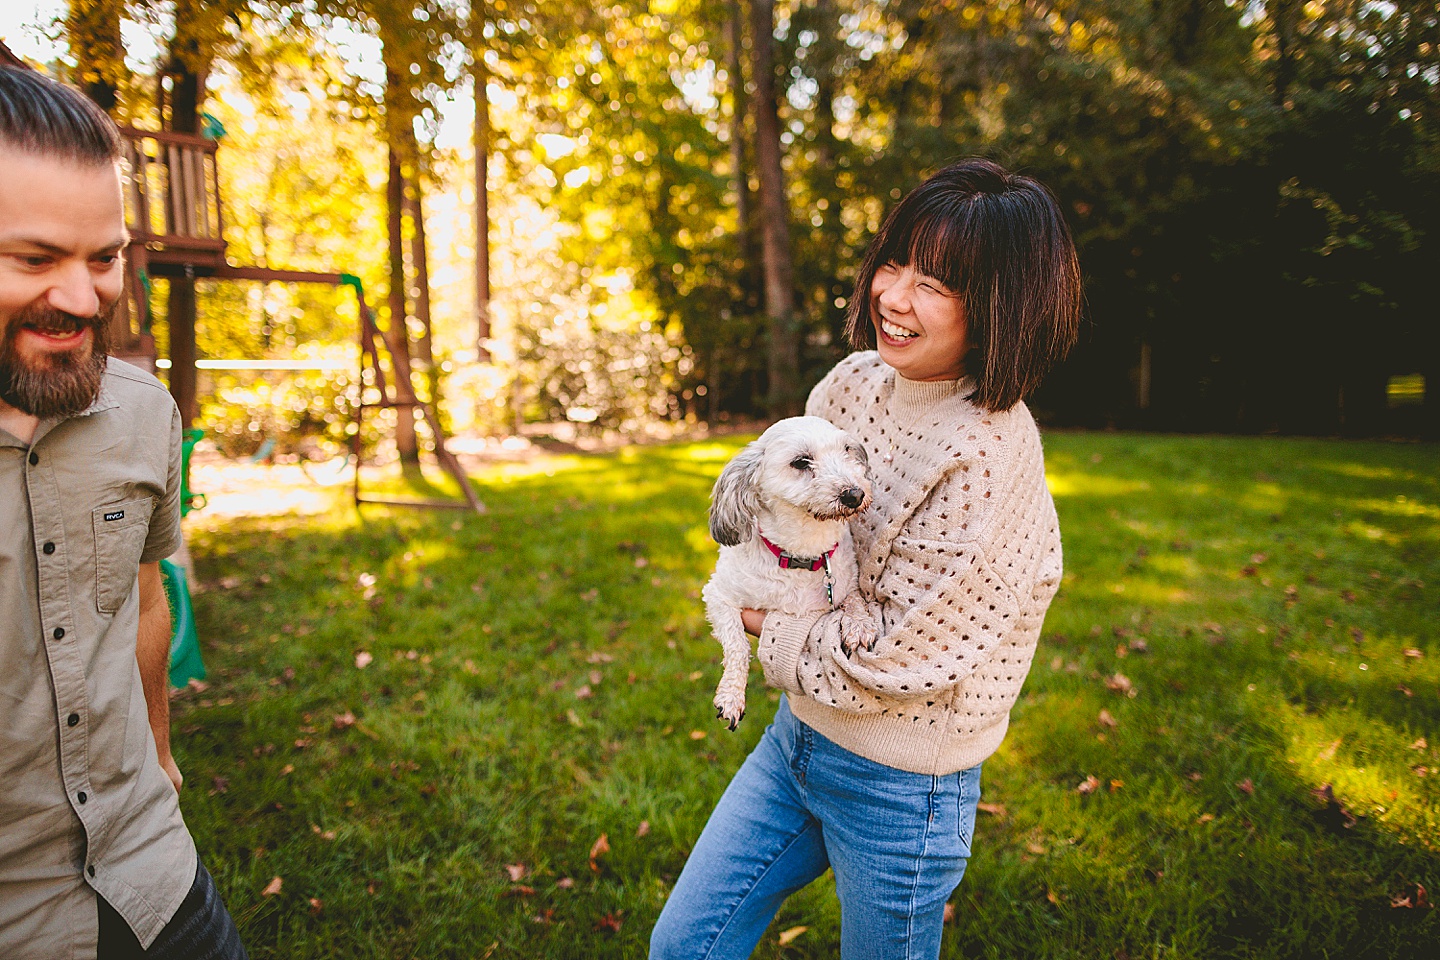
(897, 841)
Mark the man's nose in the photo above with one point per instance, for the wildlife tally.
(74, 292)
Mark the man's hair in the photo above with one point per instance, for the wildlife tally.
(999, 241)
(40, 116)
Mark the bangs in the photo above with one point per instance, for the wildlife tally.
(936, 243)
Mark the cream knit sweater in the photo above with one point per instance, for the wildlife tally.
(959, 557)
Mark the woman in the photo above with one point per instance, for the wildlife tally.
(969, 293)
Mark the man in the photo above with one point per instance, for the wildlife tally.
(95, 860)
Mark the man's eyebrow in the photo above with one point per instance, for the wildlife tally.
(113, 245)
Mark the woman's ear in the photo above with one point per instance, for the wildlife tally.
(733, 503)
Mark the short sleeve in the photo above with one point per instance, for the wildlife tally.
(164, 536)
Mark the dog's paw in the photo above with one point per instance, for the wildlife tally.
(730, 709)
(857, 627)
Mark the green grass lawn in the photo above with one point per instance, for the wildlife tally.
(1242, 622)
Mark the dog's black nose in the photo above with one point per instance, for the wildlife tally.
(852, 497)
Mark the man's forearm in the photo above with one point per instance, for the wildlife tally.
(152, 651)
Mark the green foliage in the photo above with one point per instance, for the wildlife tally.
(531, 680)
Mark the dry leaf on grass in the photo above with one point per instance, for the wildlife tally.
(272, 888)
(1247, 786)
(1106, 720)
(1120, 683)
(611, 922)
(316, 906)
(1090, 785)
(517, 871)
(788, 937)
(994, 809)
(598, 850)
(643, 829)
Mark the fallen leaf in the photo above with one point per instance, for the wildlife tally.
(1329, 752)
(788, 937)
(517, 871)
(1053, 897)
(272, 888)
(1106, 720)
(598, 850)
(611, 922)
(1090, 785)
(1420, 744)
(599, 657)
(1036, 848)
(643, 829)
(1120, 683)
(519, 890)
(1205, 818)
(1414, 653)
(288, 769)
(343, 721)
(545, 917)
(697, 734)
(584, 693)
(316, 906)
(565, 883)
(949, 913)
(1116, 785)
(1247, 786)
(994, 809)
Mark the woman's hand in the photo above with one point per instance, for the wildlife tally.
(754, 621)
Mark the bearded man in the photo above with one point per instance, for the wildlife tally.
(95, 860)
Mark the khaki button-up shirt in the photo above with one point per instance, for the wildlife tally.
(84, 806)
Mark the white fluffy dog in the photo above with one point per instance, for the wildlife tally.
(780, 513)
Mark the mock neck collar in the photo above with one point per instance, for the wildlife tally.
(917, 396)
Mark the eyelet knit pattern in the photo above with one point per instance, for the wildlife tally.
(959, 558)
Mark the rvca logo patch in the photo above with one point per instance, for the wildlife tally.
(115, 515)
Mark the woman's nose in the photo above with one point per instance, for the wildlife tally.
(896, 294)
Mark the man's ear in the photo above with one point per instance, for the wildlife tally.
(733, 503)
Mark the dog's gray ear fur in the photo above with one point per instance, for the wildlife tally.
(733, 502)
(858, 449)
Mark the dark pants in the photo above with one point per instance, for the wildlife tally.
(200, 930)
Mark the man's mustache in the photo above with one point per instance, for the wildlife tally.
(46, 319)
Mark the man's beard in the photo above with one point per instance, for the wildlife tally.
(54, 384)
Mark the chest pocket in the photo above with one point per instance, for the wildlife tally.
(120, 533)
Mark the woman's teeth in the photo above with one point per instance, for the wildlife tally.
(896, 333)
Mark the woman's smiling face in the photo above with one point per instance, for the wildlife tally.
(920, 326)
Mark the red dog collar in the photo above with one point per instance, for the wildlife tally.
(789, 562)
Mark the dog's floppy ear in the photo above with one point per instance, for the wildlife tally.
(733, 502)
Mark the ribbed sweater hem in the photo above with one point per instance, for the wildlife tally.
(901, 743)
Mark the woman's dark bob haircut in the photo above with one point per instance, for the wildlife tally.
(40, 116)
(997, 240)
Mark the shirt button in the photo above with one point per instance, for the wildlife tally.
(73, 719)
(90, 869)
(34, 458)
(82, 796)
(59, 633)
(49, 548)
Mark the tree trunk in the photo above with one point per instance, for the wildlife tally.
(482, 211)
(734, 64)
(784, 356)
(420, 264)
(188, 65)
(397, 336)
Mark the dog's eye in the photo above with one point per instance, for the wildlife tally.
(802, 463)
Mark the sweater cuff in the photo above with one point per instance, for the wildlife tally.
(781, 640)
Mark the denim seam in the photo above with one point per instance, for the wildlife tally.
(919, 861)
(709, 949)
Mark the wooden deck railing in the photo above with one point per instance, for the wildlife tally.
(172, 198)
